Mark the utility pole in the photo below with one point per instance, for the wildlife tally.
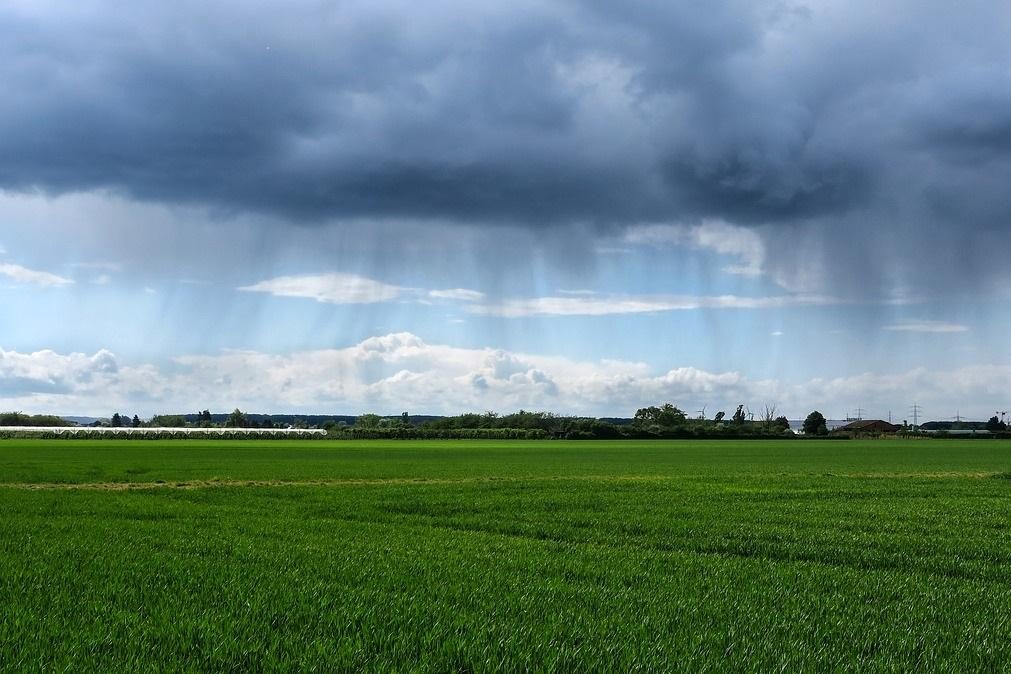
(860, 414)
(915, 411)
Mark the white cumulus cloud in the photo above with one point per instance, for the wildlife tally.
(631, 304)
(719, 237)
(927, 327)
(43, 279)
(335, 288)
(459, 294)
(400, 371)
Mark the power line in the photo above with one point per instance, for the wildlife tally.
(859, 415)
(915, 411)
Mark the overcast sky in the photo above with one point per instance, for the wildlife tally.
(342, 207)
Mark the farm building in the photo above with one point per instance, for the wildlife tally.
(870, 427)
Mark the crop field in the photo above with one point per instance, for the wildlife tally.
(505, 556)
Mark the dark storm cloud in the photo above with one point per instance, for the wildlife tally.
(820, 114)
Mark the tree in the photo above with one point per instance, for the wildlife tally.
(368, 421)
(739, 416)
(671, 415)
(13, 419)
(769, 415)
(168, 421)
(719, 417)
(236, 419)
(814, 424)
(665, 415)
(136, 421)
(645, 415)
(116, 420)
(22, 419)
(781, 424)
(995, 425)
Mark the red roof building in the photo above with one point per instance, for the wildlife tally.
(870, 427)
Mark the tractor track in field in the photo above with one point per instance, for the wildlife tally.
(208, 484)
(397, 481)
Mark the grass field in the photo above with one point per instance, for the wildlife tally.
(505, 556)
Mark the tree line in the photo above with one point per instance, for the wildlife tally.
(655, 421)
(662, 421)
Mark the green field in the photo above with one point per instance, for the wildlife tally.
(505, 556)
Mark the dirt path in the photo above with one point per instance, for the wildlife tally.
(207, 484)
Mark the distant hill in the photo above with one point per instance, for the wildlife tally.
(277, 419)
(80, 421)
(308, 419)
(321, 419)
